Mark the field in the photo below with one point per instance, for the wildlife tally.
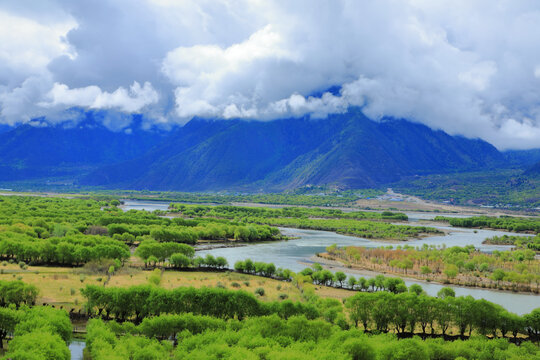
(60, 286)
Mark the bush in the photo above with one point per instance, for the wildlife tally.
(259, 291)
(155, 277)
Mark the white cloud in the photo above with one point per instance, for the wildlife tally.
(467, 67)
(28, 46)
(93, 97)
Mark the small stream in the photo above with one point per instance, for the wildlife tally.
(76, 347)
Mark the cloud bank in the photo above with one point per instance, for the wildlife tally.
(469, 68)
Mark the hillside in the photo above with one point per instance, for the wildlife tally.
(32, 152)
(348, 150)
(534, 171)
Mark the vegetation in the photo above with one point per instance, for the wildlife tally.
(69, 250)
(258, 311)
(500, 188)
(306, 196)
(523, 242)
(355, 223)
(243, 212)
(516, 224)
(17, 293)
(271, 337)
(138, 302)
(516, 270)
(72, 232)
(38, 333)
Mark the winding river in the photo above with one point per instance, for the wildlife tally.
(295, 254)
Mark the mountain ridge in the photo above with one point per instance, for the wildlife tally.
(345, 149)
(29, 151)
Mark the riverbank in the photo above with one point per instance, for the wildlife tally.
(336, 264)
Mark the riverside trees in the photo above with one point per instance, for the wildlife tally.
(515, 270)
(139, 302)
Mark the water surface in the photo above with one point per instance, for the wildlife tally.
(294, 254)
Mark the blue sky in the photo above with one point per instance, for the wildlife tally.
(467, 67)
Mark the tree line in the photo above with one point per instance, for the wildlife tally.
(406, 312)
(69, 250)
(521, 242)
(242, 212)
(138, 302)
(511, 270)
(516, 224)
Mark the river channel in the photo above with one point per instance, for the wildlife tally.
(295, 254)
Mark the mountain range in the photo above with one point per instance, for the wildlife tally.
(347, 150)
(29, 152)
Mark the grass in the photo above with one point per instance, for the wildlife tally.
(56, 284)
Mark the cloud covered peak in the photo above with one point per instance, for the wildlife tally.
(470, 68)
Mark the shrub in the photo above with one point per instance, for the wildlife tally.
(259, 291)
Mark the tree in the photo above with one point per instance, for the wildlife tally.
(351, 281)
(451, 271)
(443, 314)
(381, 310)
(239, 266)
(50, 346)
(222, 263)
(340, 277)
(426, 308)
(486, 316)
(446, 292)
(462, 309)
(360, 307)
(180, 260)
(359, 349)
(532, 322)
(416, 289)
(498, 275)
(8, 320)
(425, 270)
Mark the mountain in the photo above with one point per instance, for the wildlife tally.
(533, 171)
(347, 149)
(32, 152)
(4, 128)
(522, 159)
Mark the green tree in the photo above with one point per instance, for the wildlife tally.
(340, 277)
(446, 292)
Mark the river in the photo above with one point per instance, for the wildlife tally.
(76, 348)
(294, 254)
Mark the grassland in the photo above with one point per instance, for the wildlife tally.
(60, 286)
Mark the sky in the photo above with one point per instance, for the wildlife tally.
(467, 67)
